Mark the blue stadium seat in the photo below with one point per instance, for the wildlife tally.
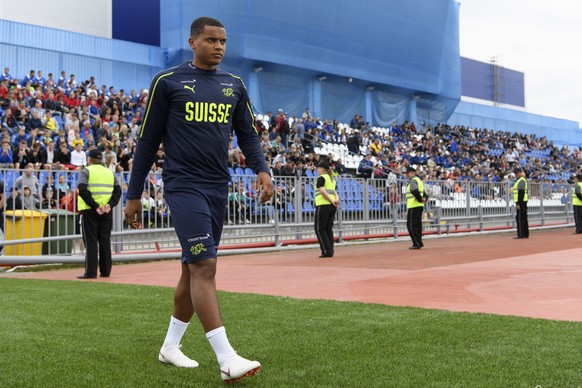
(308, 207)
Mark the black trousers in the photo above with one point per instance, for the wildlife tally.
(578, 218)
(97, 239)
(414, 225)
(521, 220)
(324, 217)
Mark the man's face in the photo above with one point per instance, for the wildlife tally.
(209, 47)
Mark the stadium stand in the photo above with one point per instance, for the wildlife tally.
(458, 157)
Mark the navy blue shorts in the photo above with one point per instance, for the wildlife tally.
(198, 217)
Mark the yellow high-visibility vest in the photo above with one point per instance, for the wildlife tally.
(575, 200)
(329, 186)
(100, 184)
(516, 191)
(411, 200)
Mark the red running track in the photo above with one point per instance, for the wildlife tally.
(538, 277)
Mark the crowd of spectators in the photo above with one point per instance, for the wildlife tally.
(440, 152)
(51, 123)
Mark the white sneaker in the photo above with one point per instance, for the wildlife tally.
(236, 368)
(175, 356)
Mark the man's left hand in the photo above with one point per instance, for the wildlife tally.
(265, 186)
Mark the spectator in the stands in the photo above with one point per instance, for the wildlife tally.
(78, 157)
(9, 122)
(340, 168)
(366, 167)
(49, 121)
(277, 169)
(6, 158)
(28, 179)
(376, 148)
(40, 80)
(30, 78)
(288, 169)
(49, 201)
(6, 76)
(62, 187)
(37, 156)
(63, 157)
(22, 157)
(29, 201)
(48, 184)
(13, 202)
(35, 122)
(61, 137)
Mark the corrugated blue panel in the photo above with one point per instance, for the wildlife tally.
(21, 60)
(34, 59)
(9, 55)
(26, 35)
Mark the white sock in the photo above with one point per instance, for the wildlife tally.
(175, 332)
(220, 344)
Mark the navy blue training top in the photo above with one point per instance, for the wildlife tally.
(192, 112)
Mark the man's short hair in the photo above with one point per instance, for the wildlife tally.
(198, 25)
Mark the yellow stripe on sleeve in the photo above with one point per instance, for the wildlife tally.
(150, 99)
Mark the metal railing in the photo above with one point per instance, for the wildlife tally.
(369, 209)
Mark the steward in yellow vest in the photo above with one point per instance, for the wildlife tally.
(98, 194)
(520, 198)
(329, 187)
(577, 203)
(326, 203)
(415, 199)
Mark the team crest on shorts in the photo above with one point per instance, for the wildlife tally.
(197, 249)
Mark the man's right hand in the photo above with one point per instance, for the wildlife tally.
(132, 213)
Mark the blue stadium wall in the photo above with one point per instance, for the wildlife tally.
(24, 47)
(402, 56)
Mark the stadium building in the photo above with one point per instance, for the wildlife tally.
(388, 61)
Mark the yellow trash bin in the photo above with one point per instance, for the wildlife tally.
(22, 224)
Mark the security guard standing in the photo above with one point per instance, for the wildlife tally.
(577, 203)
(519, 190)
(99, 192)
(326, 203)
(415, 199)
